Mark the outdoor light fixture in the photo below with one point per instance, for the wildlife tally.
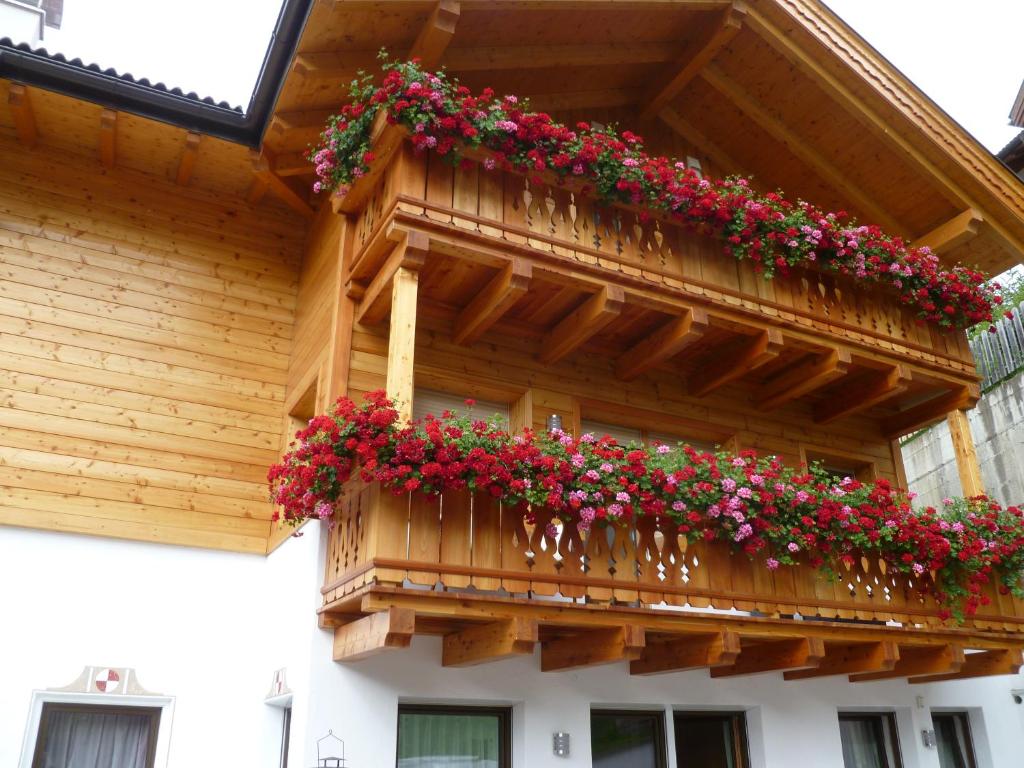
(554, 421)
(560, 743)
(928, 738)
(330, 761)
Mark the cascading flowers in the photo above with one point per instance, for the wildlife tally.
(773, 513)
(777, 235)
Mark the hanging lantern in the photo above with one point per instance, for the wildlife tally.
(333, 748)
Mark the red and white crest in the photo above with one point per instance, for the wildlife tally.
(107, 681)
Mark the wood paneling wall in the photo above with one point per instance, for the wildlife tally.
(145, 334)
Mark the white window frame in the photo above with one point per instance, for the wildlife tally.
(164, 703)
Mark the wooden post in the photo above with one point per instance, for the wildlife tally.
(966, 458)
(402, 340)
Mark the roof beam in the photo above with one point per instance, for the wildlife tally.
(668, 341)
(960, 229)
(920, 660)
(797, 146)
(761, 348)
(257, 189)
(333, 65)
(927, 413)
(108, 138)
(803, 379)
(863, 393)
(689, 652)
(292, 164)
(187, 161)
(411, 253)
(262, 163)
(592, 647)
(436, 34)
(700, 141)
(489, 642)
(775, 655)
(560, 102)
(1002, 661)
(854, 658)
(373, 634)
(20, 103)
(599, 310)
(504, 290)
(687, 68)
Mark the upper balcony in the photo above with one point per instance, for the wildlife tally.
(547, 263)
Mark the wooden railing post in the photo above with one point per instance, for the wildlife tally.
(402, 341)
(966, 457)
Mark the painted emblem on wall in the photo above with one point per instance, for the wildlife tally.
(106, 680)
(279, 685)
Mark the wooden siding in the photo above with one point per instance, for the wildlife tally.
(145, 332)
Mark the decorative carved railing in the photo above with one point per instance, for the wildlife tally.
(465, 541)
(559, 223)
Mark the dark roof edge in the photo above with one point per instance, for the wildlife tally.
(124, 93)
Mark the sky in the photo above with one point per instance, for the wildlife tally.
(965, 55)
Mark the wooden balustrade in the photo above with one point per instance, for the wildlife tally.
(464, 541)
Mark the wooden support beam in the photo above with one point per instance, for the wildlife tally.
(1002, 661)
(303, 119)
(20, 103)
(257, 189)
(409, 253)
(761, 348)
(797, 145)
(957, 231)
(701, 141)
(667, 342)
(804, 378)
(592, 647)
(292, 164)
(921, 660)
(930, 411)
(334, 65)
(436, 34)
(863, 393)
(775, 656)
(599, 310)
(489, 642)
(688, 652)
(399, 382)
(685, 70)
(108, 138)
(187, 161)
(966, 457)
(370, 635)
(262, 163)
(504, 290)
(853, 658)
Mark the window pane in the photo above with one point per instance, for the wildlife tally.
(667, 438)
(97, 738)
(426, 401)
(449, 740)
(626, 740)
(954, 740)
(622, 435)
(707, 741)
(868, 741)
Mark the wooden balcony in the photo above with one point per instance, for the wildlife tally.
(496, 250)
(494, 584)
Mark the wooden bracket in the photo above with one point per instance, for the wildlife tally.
(490, 642)
(574, 330)
(592, 647)
(957, 231)
(803, 379)
(108, 138)
(930, 411)
(920, 660)
(410, 252)
(692, 652)
(775, 656)
(262, 168)
(500, 295)
(20, 103)
(863, 393)
(436, 34)
(370, 635)
(761, 348)
(1002, 661)
(667, 342)
(848, 659)
(187, 162)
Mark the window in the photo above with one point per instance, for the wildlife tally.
(627, 739)
(286, 735)
(426, 401)
(953, 737)
(869, 740)
(453, 737)
(84, 736)
(840, 467)
(711, 740)
(626, 435)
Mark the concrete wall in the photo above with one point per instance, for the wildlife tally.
(997, 424)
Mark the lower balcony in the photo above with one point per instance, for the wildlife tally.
(497, 581)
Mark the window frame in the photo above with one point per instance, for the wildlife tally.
(646, 421)
(49, 707)
(660, 730)
(887, 716)
(504, 715)
(860, 466)
(286, 735)
(738, 724)
(965, 718)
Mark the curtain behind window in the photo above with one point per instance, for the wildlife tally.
(77, 739)
(448, 740)
(862, 743)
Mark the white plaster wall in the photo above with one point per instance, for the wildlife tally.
(208, 628)
(21, 21)
(997, 425)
